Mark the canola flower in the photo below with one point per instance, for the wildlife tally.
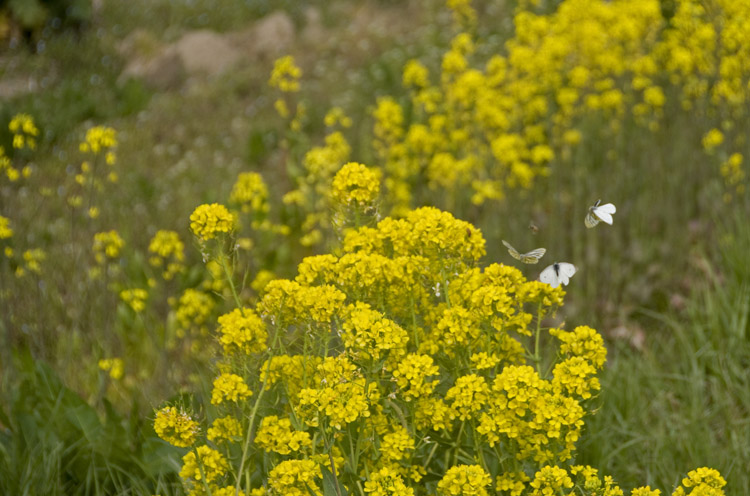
(251, 193)
(100, 139)
(5, 230)
(107, 246)
(209, 221)
(229, 387)
(135, 298)
(114, 366)
(224, 429)
(176, 427)
(285, 75)
(204, 463)
(378, 360)
(167, 253)
(24, 131)
(355, 184)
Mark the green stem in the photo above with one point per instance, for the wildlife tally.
(537, 358)
(228, 275)
(333, 464)
(250, 432)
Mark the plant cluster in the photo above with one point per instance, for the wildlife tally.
(396, 365)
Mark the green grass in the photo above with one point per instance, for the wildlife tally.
(683, 402)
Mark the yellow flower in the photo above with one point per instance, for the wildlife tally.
(251, 193)
(115, 367)
(712, 139)
(242, 331)
(295, 478)
(464, 480)
(226, 428)
(229, 387)
(356, 184)
(285, 75)
(176, 427)
(203, 462)
(208, 221)
(107, 246)
(136, 298)
(5, 230)
(277, 435)
(24, 131)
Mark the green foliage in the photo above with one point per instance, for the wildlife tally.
(682, 399)
(53, 442)
(33, 14)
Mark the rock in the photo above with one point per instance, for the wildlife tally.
(162, 71)
(12, 87)
(206, 52)
(203, 53)
(266, 39)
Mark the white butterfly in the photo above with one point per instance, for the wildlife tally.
(531, 257)
(558, 273)
(599, 213)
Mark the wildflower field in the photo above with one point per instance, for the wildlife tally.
(457, 247)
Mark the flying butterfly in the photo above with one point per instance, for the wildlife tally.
(531, 257)
(598, 213)
(558, 272)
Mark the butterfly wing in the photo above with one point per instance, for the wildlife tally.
(513, 252)
(565, 272)
(550, 276)
(533, 256)
(605, 212)
(590, 220)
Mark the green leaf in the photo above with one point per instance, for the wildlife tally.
(329, 484)
(30, 13)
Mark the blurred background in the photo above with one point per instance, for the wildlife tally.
(513, 115)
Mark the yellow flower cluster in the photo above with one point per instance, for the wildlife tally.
(24, 131)
(527, 412)
(101, 139)
(203, 463)
(295, 478)
(396, 445)
(356, 184)
(193, 310)
(341, 399)
(135, 298)
(368, 333)
(176, 427)
(114, 366)
(5, 231)
(277, 435)
(384, 359)
(702, 481)
(295, 372)
(250, 193)
(312, 194)
(411, 376)
(583, 342)
(107, 246)
(285, 75)
(550, 480)
(168, 253)
(7, 167)
(32, 261)
(225, 428)
(290, 302)
(229, 387)
(242, 331)
(464, 480)
(387, 482)
(208, 221)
